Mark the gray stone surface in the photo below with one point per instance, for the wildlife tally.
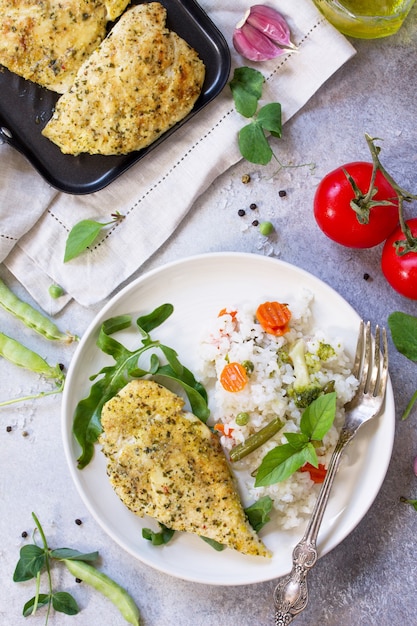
(370, 578)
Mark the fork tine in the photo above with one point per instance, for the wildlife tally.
(375, 372)
(384, 371)
(364, 372)
(356, 369)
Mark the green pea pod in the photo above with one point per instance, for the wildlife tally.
(108, 587)
(22, 356)
(32, 318)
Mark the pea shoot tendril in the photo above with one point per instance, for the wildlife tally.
(36, 560)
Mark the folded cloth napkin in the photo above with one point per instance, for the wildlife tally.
(155, 194)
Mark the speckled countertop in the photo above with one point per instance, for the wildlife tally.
(370, 578)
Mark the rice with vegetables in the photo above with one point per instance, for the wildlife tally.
(270, 389)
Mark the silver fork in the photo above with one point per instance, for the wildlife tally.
(371, 368)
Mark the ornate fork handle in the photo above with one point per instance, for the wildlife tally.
(291, 592)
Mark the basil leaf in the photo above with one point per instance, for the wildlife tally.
(278, 464)
(42, 599)
(297, 440)
(82, 235)
(246, 86)
(258, 512)
(64, 603)
(31, 562)
(318, 417)
(403, 329)
(253, 144)
(269, 117)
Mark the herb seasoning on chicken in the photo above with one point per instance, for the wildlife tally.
(164, 462)
(141, 80)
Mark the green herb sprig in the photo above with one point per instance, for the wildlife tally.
(403, 329)
(247, 85)
(283, 460)
(36, 560)
(84, 233)
(112, 378)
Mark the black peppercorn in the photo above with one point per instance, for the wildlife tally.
(241, 212)
(78, 522)
(253, 206)
(282, 193)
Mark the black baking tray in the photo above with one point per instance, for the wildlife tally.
(25, 108)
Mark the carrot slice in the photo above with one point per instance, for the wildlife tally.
(221, 429)
(317, 474)
(274, 317)
(224, 311)
(233, 377)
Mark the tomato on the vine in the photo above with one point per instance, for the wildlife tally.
(369, 223)
(400, 270)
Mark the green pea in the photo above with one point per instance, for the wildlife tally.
(249, 366)
(108, 587)
(242, 418)
(55, 291)
(30, 316)
(266, 228)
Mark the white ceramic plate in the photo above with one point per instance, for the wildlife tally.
(199, 287)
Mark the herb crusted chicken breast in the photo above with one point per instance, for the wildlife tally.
(164, 462)
(140, 81)
(47, 41)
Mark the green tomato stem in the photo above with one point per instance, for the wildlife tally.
(402, 194)
(409, 406)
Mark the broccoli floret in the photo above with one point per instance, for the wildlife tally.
(303, 390)
(304, 396)
(325, 351)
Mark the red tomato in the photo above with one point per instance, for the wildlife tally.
(317, 474)
(339, 221)
(401, 271)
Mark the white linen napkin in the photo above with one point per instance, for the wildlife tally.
(155, 194)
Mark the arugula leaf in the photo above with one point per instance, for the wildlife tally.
(149, 322)
(112, 378)
(258, 512)
(158, 538)
(403, 329)
(214, 544)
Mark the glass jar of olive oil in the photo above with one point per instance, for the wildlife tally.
(366, 19)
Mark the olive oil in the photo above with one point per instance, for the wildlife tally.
(365, 19)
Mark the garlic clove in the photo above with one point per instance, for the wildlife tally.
(271, 23)
(254, 45)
